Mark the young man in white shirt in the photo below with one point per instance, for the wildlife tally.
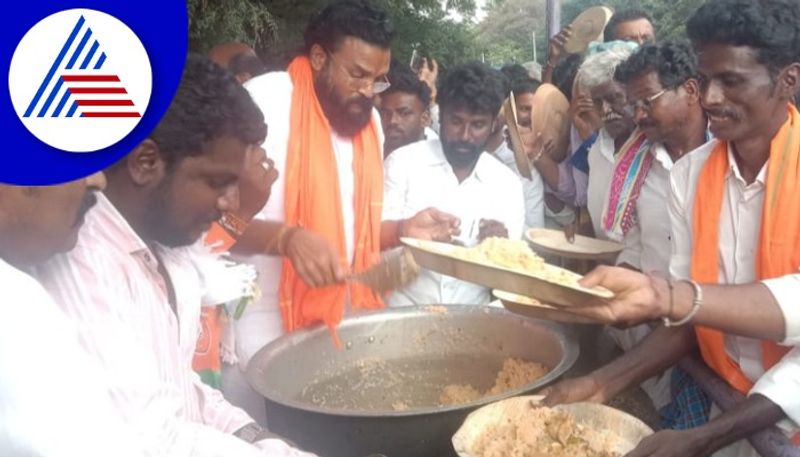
(455, 175)
(734, 230)
(133, 283)
(41, 415)
(405, 109)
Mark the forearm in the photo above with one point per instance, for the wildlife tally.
(261, 237)
(752, 415)
(390, 234)
(747, 310)
(548, 169)
(659, 351)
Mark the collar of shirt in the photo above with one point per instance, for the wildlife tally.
(438, 159)
(736, 174)
(118, 228)
(661, 155)
(606, 145)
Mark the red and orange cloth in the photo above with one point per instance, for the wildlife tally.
(312, 201)
(631, 166)
(779, 245)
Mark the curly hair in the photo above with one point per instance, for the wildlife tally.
(208, 104)
(610, 32)
(474, 87)
(403, 80)
(349, 18)
(675, 63)
(771, 27)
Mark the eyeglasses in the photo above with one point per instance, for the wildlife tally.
(646, 104)
(361, 82)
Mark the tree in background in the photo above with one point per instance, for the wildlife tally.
(275, 27)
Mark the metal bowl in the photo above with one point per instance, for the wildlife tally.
(345, 403)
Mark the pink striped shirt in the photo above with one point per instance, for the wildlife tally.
(111, 287)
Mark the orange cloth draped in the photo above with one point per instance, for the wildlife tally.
(779, 244)
(313, 201)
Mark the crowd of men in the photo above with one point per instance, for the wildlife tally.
(687, 154)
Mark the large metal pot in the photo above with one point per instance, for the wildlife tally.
(352, 402)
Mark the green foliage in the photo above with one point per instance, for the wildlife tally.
(218, 21)
(505, 34)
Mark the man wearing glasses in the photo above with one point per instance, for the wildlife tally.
(324, 218)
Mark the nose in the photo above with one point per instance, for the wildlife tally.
(464, 135)
(711, 95)
(367, 89)
(606, 108)
(229, 200)
(96, 181)
(394, 119)
(639, 114)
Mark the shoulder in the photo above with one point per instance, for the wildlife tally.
(420, 153)
(270, 89)
(686, 170)
(498, 173)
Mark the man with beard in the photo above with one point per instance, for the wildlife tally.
(454, 174)
(735, 218)
(73, 416)
(133, 282)
(404, 109)
(324, 219)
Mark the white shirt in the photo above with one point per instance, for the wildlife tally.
(53, 398)
(418, 176)
(601, 168)
(740, 225)
(532, 189)
(110, 286)
(647, 244)
(261, 321)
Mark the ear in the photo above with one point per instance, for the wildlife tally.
(426, 117)
(145, 165)
(789, 81)
(318, 57)
(692, 89)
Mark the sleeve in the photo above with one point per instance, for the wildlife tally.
(632, 252)
(681, 249)
(395, 187)
(215, 410)
(515, 212)
(781, 385)
(534, 201)
(786, 291)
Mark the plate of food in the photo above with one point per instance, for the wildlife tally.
(517, 147)
(531, 307)
(554, 242)
(510, 265)
(521, 426)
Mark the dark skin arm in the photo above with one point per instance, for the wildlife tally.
(752, 415)
(556, 52)
(657, 352)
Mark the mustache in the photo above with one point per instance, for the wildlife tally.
(89, 200)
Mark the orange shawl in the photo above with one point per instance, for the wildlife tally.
(779, 244)
(313, 201)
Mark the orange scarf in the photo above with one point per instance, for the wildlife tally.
(779, 245)
(312, 201)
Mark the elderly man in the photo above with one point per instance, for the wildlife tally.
(324, 218)
(735, 218)
(455, 175)
(73, 416)
(134, 284)
(405, 110)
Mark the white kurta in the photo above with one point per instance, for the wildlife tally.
(418, 176)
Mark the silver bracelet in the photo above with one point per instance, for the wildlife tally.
(696, 303)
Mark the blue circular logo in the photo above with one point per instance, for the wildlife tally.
(86, 83)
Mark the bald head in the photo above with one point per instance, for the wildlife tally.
(238, 58)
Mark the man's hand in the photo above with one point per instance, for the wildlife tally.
(637, 297)
(255, 183)
(556, 51)
(315, 260)
(431, 224)
(488, 228)
(584, 388)
(429, 73)
(585, 117)
(672, 443)
(536, 146)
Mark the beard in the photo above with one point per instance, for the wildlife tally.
(346, 116)
(461, 154)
